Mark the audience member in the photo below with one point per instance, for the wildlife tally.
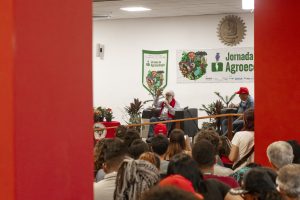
(137, 148)
(242, 150)
(288, 181)
(280, 153)
(180, 182)
(152, 158)
(213, 137)
(258, 184)
(134, 178)
(159, 145)
(224, 151)
(160, 129)
(239, 174)
(182, 164)
(168, 193)
(99, 160)
(130, 135)
(204, 153)
(246, 103)
(167, 107)
(121, 131)
(177, 144)
(114, 154)
(296, 150)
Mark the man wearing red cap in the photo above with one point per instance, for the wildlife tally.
(246, 103)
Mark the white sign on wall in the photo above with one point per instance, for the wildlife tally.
(215, 65)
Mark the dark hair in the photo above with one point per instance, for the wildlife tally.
(182, 164)
(159, 144)
(98, 155)
(249, 120)
(296, 150)
(130, 135)
(114, 151)
(225, 146)
(211, 135)
(167, 193)
(177, 143)
(137, 147)
(203, 153)
(121, 131)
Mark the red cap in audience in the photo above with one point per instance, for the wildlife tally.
(180, 182)
(160, 128)
(243, 90)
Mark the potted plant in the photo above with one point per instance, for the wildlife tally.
(98, 114)
(134, 111)
(108, 114)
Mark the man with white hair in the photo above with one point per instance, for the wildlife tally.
(288, 181)
(280, 153)
(167, 107)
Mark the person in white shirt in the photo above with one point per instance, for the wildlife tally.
(114, 154)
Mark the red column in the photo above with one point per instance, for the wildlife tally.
(46, 101)
(277, 69)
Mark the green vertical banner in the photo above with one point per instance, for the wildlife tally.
(155, 70)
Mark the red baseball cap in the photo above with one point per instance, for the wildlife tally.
(243, 90)
(160, 128)
(180, 182)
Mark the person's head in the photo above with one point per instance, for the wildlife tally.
(99, 155)
(169, 95)
(177, 143)
(135, 177)
(121, 131)
(182, 164)
(280, 153)
(204, 154)
(114, 153)
(225, 146)
(130, 135)
(211, 135)
(258, 184)
(160, 129)
(152, 158)
(168, 193)
(296, 150)
(159, 144)
(137, 147)
(243, 93)
(249, 120)
(288, 181)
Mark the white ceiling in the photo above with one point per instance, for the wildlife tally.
(166, 8)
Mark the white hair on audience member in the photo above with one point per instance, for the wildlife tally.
(288, 180)
(280, 153)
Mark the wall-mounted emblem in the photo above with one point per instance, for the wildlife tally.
(231, 30)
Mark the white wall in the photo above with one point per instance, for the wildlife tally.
(118, 78)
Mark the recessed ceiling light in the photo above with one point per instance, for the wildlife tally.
(248, 4)
(135, 9)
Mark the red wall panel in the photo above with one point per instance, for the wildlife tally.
(277, 69)
(52, 100)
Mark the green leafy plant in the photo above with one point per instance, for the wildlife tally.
(108, 113)
(134, 110)
(225, 100)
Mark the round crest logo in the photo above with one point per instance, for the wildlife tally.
(231, 30)
(193, 64)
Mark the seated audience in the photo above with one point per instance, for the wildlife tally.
(134, 178)
(152, 158)
(121, 131)
(177, 144)
(224, 151)
(131, 135)
(204, 153)
(242, 150)
(239, 174)
(182, 164)
(246, 103)
(137, 148)
(280, 153)
(181, 183)
(99, 160)
(159, 145)
(114, 155)
(167, 107)
(296, 150)
(168, 193)
(288, 181)
(213, 137)
(258, 184)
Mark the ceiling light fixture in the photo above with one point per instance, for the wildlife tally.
(248, 4)
(135, 9)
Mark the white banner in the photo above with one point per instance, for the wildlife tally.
(215, 65)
